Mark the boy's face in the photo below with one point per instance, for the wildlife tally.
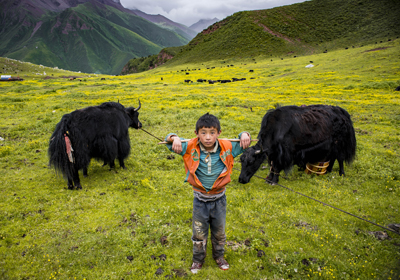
(208, 136)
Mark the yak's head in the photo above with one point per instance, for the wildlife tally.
(251, 161)
(134, 116)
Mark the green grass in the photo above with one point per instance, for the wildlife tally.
(47, 231)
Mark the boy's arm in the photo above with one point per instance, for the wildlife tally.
(176, 146)
(245, 140)
(239, 147)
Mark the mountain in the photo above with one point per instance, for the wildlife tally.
(314, 26)
(40, 7)
(166, 23)
(203, 24)
(89, 36)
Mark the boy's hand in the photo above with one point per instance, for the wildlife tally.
(176, 145)
(245, 140)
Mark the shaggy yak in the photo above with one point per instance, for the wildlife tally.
(99, 132)
(297, 135)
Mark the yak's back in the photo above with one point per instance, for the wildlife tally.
(109, 118)
(104, 108)
(301, 125)
(112, 105)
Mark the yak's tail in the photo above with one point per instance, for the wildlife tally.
(61, 150)
(347, 136)
(352, 144)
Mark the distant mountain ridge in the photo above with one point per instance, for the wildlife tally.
(203, 24)
(164, 22)
(80, 35)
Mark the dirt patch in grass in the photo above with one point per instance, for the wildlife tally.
(287, 74)
(71, 77)
(377, 49)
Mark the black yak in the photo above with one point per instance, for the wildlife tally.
(99, 132)
(297, 135)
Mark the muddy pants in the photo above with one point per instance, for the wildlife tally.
(208, 215)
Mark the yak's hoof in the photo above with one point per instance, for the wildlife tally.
(269, 181)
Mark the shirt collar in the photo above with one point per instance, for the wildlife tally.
(203, 149)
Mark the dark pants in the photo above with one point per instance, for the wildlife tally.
(208, 215)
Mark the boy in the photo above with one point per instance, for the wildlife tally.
(208, 164)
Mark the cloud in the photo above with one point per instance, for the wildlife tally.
(190, 12)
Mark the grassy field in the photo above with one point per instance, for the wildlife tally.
(136, 223)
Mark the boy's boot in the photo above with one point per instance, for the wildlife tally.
(222, 263)
(199, 254)
(196, 267)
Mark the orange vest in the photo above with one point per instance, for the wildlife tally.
(192, 160)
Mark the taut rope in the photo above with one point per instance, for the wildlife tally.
(152, 134)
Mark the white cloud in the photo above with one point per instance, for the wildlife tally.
(190, 12)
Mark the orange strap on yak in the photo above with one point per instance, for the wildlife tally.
(69, 148)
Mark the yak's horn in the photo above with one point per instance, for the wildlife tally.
(137, 109)
(259, 151)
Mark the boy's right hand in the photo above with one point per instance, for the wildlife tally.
(176, 144)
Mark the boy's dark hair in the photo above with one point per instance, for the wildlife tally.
(208, 121)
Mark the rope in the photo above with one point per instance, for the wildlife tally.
(272, 170)
(152, 134)
(325, 204)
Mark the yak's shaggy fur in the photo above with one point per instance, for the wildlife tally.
(99, 132)
(297, 135)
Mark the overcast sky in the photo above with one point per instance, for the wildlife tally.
(189, 12)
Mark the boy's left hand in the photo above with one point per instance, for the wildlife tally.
(245, 140)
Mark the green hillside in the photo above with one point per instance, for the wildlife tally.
(140, 26)
(305, 28)
(141, 64)
(15, 30)
(88, 38)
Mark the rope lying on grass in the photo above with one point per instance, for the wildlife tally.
(389, 229)
(323, 203)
